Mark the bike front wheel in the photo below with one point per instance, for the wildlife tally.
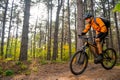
(78, 62)
(109, 58)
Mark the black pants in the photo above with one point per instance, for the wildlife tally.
(102, 35)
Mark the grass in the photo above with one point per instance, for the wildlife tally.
(9, 72)
(43, 62)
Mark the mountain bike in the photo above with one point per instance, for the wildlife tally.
(79, 60)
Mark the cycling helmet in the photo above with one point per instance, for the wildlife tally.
(87, 15)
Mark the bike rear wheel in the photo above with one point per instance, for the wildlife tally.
(109, 58)
(78, 62)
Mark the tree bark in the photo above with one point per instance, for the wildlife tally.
(8, 39)
(69, 31)
(24, 41)
(80, 23)
(110, 30)
(34, 43)
(3, 29)
(75, 30)
(117, 30)
(49, 34)
(16, 39)
(62, 37)
(55, 43)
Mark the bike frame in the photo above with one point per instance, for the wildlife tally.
(88, 45)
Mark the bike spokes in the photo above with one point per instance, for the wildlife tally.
(109, 58)
(78, 63)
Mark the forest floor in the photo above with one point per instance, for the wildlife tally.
(61, 71)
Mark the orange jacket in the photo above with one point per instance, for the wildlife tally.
(98, 29)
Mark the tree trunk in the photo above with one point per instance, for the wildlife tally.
(62, 37)
(34, 43)
(16, 39)
(48, 30)
(3, 29)
(75, 31)
(49, 34)
(117, 30)
(40, 36)
(80, 23)
(8, 39)
(24, 41)
(69, 31)
(55, 43)
(110, 30)
(91, 32)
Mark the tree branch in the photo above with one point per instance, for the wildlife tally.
(2, 6)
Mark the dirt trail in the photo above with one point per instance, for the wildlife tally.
(61, 71)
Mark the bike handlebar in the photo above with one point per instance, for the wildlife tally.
(84, 37)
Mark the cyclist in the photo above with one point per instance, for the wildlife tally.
(101, 32)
